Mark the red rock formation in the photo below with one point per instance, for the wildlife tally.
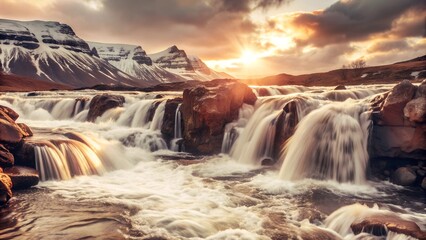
(206, 111)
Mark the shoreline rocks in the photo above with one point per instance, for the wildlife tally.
(12, 136)
(399, 132)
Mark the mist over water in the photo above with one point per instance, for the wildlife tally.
(122, 167)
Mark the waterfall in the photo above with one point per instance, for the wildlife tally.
(157, 120)
(177, 143)
(329, 143)
(75, 155)
(256, 138)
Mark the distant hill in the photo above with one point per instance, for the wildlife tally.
(414, 69)
(10, 82)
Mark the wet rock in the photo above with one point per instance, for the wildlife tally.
(22, 177)
(24, 155)
(102, 103)
(421, 172)
(378, 225)
(377, 102)
(286, 125)
(404, 176)
(263, 92)
(10, 132)
(399, 142)
(26, 131)
(5, 188)
(421, 90)
(340, 87)
(6, 158)
(415, 110)
(423, 184)
(9, 112)
(392, 109)
(206, 111)
(168, 126)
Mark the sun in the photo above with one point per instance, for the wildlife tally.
(248, 57)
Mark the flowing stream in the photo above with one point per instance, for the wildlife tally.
(118, 177)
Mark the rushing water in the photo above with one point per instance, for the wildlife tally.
(118, 178)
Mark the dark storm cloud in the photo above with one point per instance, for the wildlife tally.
(355, 20)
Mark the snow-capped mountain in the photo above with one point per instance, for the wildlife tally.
(134, 61)
(52, 51)
(177, 61)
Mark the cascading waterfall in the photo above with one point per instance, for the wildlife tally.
(75, 155)
(329, 143)
(176, 143)
(255, 140)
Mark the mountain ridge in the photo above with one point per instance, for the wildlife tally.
(51, 51)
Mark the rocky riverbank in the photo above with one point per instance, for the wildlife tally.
(398, 142)
(12, 136)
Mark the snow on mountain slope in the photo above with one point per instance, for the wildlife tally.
(134, 61)
(178, 62)
(51, 51)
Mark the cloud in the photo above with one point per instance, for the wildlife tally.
(357, 20)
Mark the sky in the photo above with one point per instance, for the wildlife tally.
(247, 38)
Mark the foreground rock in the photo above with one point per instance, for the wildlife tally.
(399, 129)
(101, 103)
(378, 225)
(6, 158)
(206, 111)
(11, 140)
(22, 177)
(5, 188)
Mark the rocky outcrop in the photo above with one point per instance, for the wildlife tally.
(380, 224)
(399, 118)
(6, 158)
(22, 177)
(5, 188)
(168, 126)
(11, 139)
(206, 111)
(102, 103)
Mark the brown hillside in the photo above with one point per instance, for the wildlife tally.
(15, 83)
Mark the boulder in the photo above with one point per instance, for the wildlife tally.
(404, 176)
(421, 90)
(5, 188)
(399, 142)
(392, 109)
(340, 87)
(26, 131)
(22, 177)
(168, 126)
(379, 224)
(102, 103)
(206, 111)
(415, 110)
(423, 184)
(10, 132)
(24, 155)
(9, 112)
(6, 158)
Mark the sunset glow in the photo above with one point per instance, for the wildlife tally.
(239, 36)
